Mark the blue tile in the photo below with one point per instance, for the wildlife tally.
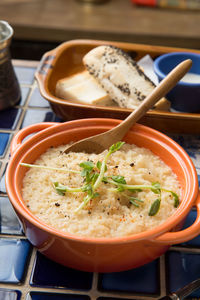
(9, 118)
(182, 268)
(25, 75)
(24, 94)
(2, 182)
(4, 138)
(143, 280)
(194, 296)
(188, 222)
(54, 296)
(47, 273)
(9, 223)
(14, 254)
(33, 116)
(37, 100)
(6, 294)
(191, 144)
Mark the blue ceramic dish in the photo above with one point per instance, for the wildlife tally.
(185, 96)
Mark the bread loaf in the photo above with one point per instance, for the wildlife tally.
(83, 88)
(120, 76)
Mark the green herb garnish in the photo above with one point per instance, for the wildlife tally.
(94, 175)
(155, 207)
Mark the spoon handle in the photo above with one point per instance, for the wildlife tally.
(160, 91)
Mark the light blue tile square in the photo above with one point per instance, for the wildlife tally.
(14, 255)
(9, 223)
(4, 138)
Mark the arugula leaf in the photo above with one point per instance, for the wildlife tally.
(105, 179)
(116, 147)
(87, 188)
(119, 179)
(95, 195)
(94, 178)
(154, 207)
(176, 199)
(88, 165)
(156, 189)
(99, 164)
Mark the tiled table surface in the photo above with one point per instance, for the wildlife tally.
(27, 274)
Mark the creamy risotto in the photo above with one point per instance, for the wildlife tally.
(138, 191)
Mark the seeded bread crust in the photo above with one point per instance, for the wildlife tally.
(119, 75)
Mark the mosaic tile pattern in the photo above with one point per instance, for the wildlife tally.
(191, 144)
(9, 223)
(182, 268)
(36, 100)
(9, 118)
(27, 274)
(13, 259)
(55, 296)
(2, 182)
(6, 294)
(130, 281)
(4, 138)
(47, 273)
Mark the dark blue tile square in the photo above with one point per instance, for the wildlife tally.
(34, 116)
(47, 273)
(14, 254)
(142, 280)
(25, 75)
(2, 181)
(6, 294)
(182, 268)
(24, 94)
(9, 223)
(54, 296)
(4, 138)
(37, 100)
(194, 296)
(9, 118)
(188, 222)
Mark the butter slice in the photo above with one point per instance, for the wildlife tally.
(83, 88)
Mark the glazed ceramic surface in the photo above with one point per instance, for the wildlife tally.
(185, 96)
(66, 60)
(103, 254)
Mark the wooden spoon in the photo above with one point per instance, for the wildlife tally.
(100, 142)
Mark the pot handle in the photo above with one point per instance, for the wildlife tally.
(26, 131)
(184, 235)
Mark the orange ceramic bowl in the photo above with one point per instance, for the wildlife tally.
(102, 254)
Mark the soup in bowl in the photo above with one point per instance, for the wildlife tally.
(108, 212)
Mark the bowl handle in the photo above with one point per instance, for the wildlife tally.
(184, 235)
(43, 69)
(26, 131)
(46, 63)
